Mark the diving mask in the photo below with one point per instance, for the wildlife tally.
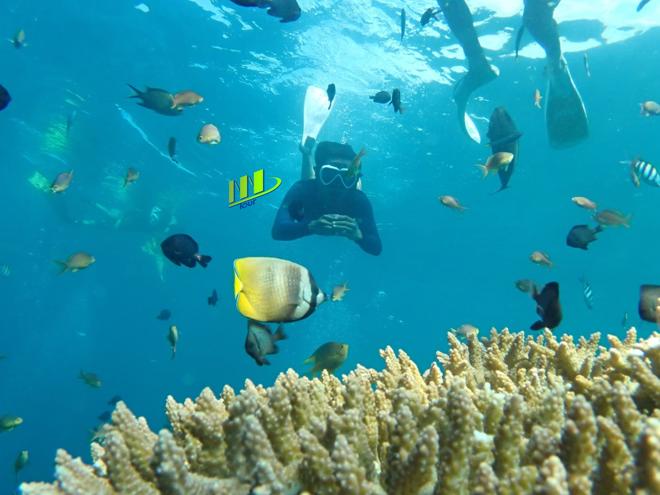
(329, 174)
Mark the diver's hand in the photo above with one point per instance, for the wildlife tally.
(321, 226)
(306, 149)
(345, 226)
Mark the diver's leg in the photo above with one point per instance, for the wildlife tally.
(480, 72)
(307, 165)
(565, 114)
(539, 21)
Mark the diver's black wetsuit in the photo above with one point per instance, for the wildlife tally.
(308, 200)
(539, 21)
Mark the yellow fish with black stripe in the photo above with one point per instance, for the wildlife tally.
(273, 290)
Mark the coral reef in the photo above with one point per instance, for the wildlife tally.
(507, 414)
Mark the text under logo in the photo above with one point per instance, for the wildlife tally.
(241, 188)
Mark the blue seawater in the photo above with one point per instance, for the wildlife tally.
(438, 269)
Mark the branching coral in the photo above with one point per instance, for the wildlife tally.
(507, 414)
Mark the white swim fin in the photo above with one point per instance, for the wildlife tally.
(317, 110)
(471, 129)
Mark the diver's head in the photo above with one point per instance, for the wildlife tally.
(332, 164)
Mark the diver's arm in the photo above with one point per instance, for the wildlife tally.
(370, 241)
(307, 166)
(286, 228)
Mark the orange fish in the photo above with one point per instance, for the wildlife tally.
(496, 161)
(540, 258)
(338, 292)
(186, 98)
(583, 202)
(613, 218)
(451, 202)
(131, 176)
(537, 98)
(356, 164)
(62, 182)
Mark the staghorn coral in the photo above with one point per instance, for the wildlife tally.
(507, 414)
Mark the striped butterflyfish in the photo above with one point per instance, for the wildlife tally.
(274, 290)
(587, 293)
(641, 169)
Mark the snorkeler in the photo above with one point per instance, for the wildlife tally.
(566, 117)
(328, 200)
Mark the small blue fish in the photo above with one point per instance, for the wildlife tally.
(105, 416)
(332, 91)
(403, 23)
(641, 4)
(643, 170)
(587, 293)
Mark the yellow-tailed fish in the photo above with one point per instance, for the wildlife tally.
(76, 262)
(8, 423)
(274, 290)
(465, 330)
(329, 356)
(339, 291)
